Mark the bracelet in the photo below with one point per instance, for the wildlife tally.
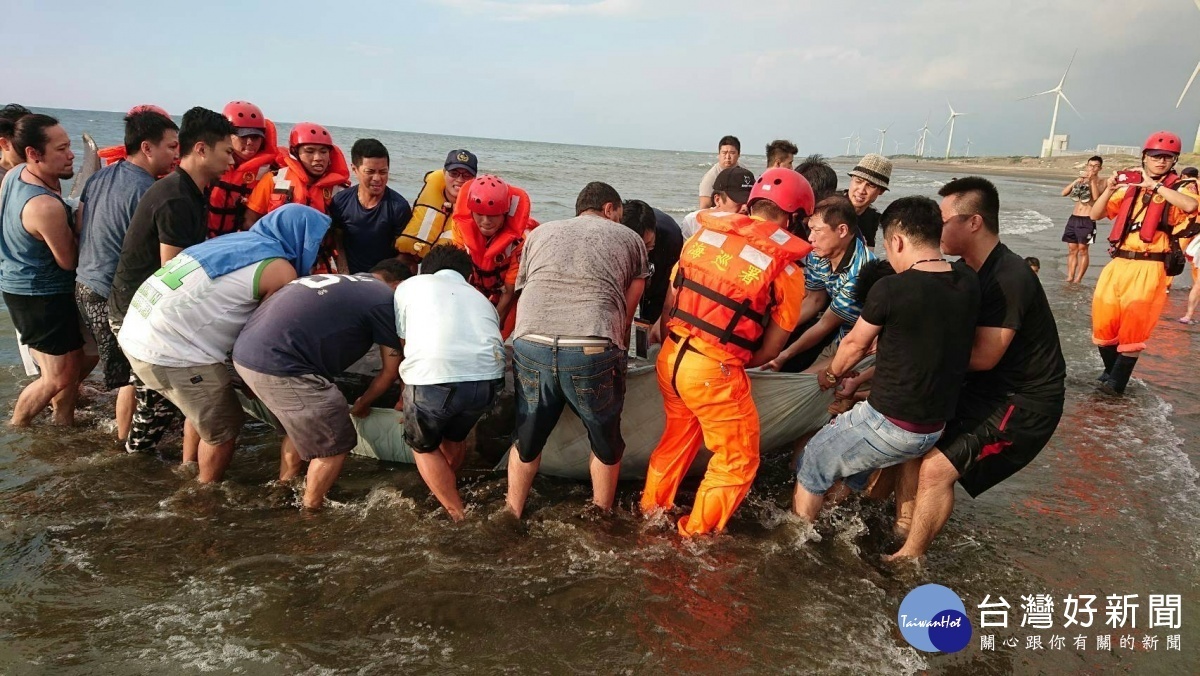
(830, 377)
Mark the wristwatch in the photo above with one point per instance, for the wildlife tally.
(1154, 190)
(830, 377)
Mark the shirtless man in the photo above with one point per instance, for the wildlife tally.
(1081, 229)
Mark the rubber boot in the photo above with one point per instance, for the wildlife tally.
(1108, 354)
(1118, 378)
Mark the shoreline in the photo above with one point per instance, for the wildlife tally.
(1056, 168)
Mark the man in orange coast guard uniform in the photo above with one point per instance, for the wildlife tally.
(736, 272)
(1148, 209)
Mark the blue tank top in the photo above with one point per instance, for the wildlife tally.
(27, 267)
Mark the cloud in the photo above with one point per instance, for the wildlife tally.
(530, 10)
(363, 49)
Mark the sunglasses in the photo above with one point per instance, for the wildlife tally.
(1162, 156)
(460, 173)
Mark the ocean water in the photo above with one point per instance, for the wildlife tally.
(118, 564)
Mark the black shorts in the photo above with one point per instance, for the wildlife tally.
(48, 324)
(433, 413)
(1079, 230)
(993, 441)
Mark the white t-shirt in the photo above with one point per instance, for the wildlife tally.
(690, 224)
(181, 317)
(451, 332)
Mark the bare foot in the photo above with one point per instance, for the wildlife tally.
(900, 557)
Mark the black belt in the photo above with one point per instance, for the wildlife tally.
(1140, 255)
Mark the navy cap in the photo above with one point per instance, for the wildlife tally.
(462, 159)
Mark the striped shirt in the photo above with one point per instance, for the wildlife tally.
(840, 284)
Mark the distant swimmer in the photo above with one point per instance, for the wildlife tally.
(490, 222)
(311, 172)
(185, 318)
(254, 156)
(1081, 228)
(106, 208)
(734, 301)
(730, 191)
(432, 208)
(294, 346)
(729, 151)
(38, 256)
(368, 219)
(1150, 209)
(781, 153)
(9, 157)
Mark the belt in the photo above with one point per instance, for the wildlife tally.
(1140, 255)
(567, 341)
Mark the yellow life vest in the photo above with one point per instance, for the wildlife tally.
(428, 222)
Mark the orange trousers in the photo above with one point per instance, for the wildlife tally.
(706, 400)
(1129, 299)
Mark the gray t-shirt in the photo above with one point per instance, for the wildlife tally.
(109, 200)
(710, 177)
(573, 278)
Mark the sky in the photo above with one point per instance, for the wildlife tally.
(666, 74)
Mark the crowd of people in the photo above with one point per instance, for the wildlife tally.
(204, 261)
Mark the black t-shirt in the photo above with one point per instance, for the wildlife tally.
(1032, 372)
(668, 243)
(867, 223)
(928, 321)
(172, 212)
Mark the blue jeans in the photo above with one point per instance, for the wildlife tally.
(591, 380)
(436, 412)
(855, 444)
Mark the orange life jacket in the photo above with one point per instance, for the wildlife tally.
(114, 154)
(292, 182)
(491, 258)
(723, 282)
(1154, 214)
(227, 196)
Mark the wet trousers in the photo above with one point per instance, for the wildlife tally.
(706, 401)
(1128, 301)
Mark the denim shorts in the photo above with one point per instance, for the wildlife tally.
(436, 412)
(591, 380)
(855, 444)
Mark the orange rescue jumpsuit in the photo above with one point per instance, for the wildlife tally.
(1130, 294)
(705, 389)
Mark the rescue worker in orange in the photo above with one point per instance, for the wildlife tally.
(489, 221)
(311, 172)
(1148, 209)
(255, 155)
(736, 273)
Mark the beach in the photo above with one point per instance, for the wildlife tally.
(1064, 168)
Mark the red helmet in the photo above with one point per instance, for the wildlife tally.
(148, 108)
(245, 114)
(488, 196)
(309, 133)
(1164, 141)
(787, 189)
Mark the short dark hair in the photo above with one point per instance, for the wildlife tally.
(779, 149)
(837, 210)
(1190, 172)
(392, 270)
(638, 216)
(979, 196)
(768, 210)
(820, 175)
(146, 125)
(1033, 261)
(201, 125)
(447, 257)
(730, 141)
(594, 196)
(8, 118)
(1096, 158)
(368, 147)
(30, 132)
(871, 271)
(918, 217)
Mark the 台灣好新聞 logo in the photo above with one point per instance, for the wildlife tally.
(933, 618)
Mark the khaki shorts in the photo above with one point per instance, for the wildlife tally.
(203, 393)
(312, 410)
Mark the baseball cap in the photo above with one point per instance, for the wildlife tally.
(248, 131)
(462, 159)
(735, 182)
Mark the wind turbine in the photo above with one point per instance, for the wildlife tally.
(1196, 145)
(950, 123)
(848, 139)
(1058, 96)
(883, 137)
(895, 147)
(857, 144)
(968, 147)
(921, 142)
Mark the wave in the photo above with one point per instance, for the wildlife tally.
(1024, 222)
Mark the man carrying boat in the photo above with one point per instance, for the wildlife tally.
(735, 273)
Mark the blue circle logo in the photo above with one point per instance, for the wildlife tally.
(932, 618)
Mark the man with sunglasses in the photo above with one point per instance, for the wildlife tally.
(1149, 210)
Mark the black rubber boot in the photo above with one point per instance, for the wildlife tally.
(1108, 354)
(1118, 378)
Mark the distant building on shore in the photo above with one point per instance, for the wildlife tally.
(1105, 149)
(1056, 145)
